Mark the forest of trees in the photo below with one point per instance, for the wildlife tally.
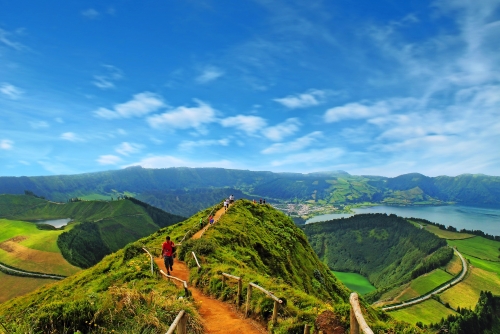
(386, 249)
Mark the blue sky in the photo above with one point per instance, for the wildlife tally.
(379, 88)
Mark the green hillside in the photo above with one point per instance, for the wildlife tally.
(256, 242)
(179, 190)
(385, 249)
(98, 228)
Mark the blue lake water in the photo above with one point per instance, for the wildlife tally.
(55, 222)
(468, 217)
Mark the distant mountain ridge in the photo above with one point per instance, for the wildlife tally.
(162, 187)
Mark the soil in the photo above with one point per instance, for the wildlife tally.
(328, 323)
(218, 317)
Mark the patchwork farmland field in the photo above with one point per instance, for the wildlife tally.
(430, 311)
(17, 286)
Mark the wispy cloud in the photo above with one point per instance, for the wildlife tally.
(189, 145)
(39, 124)
(71, 136)
(6, 40)
(10, 91)
(166, 161)
(126, 148)
(295, 145)
(184, 117)
(282, 130)
(248, 124)
(6, 144)
(309, 99)
(141, 104)
(107, 79)
(210, 73)
(311, 157)
(108, 160)
(90, 13)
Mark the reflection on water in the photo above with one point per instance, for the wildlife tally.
(470, 218)
(55, 222)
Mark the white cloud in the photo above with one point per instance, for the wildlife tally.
(108, 160)
(248, 124)
(90, 13)
(140, 105)
(184, 117)
(210, 73)
(364, 110)
(311, 98)
(310, 158)
(107, 80)
(282, 130)
(6, 144)
(71, 136)
(10, 91)
(59, 120)
(166, 161)
(4, 38)
(189, 145)
(126, 148)
(296, 145)
(39, 124)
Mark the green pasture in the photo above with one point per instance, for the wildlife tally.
(427, 312)
(485, 265)
(96, 197)
(14, 286)
(425, 283)
(355, 282)
(478, 247)
(444, 234)
(466, 293)
(44, 240)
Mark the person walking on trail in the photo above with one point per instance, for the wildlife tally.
(226, 204)
(211, 219)
(231, 199)
(167, 250)
(201, 222)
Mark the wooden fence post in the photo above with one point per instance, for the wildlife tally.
(275, 311)
(182, 326)
(354, 323)
(223, 281)
(249, 295)
(238, 296)
(307, 329)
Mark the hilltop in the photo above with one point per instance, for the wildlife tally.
(253, 241)
(184, 191)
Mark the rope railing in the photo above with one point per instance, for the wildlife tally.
(277, 301)
(357, 320)
(240, 288)
(180, 323)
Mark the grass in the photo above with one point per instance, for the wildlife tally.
(478, 247)
(96, 197)
(15, 286)
(466, 293)
(424, 284)
(444, 234)
(429, 311)
(454, 267)
(355, 282)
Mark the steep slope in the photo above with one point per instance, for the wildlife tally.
(255, 242)
(99, 227)
(386, 249)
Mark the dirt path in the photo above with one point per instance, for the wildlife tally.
(218, 317)
(217, 216)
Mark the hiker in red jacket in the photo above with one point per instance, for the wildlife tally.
(167, 250)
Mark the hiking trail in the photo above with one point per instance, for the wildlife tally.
(218, 317)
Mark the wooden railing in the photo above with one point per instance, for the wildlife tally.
(196, 259)
(184, 283)
(180, 323)
(238, 296)
(151, 257)
(277, 301)
(357, 320)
